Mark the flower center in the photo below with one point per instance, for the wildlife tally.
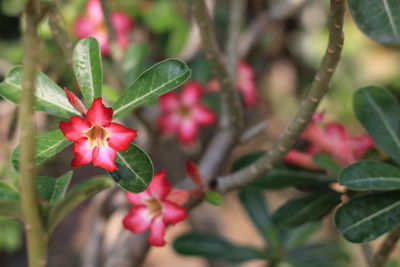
(97, 136)
(184, 111)
(154, 206)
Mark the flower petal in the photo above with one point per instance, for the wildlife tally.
(120, 136)
(122, 23)
(187, 131)
(301, 159)
(178, 196)
(138, 199)
(169, 101)
(157, 231)
(82, 152)
(99, 114)
(159, 186)
(191, 93)
(172, 213)
(83, 27)
(94, 11)
(137, 220)
(74, 101)
(360, 145)
(75, 128)
(203, 115)
(168, 122)
(104, 157)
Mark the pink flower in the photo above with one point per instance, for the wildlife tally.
(92, 23)
(245, 84)
(182, 114)
(96, 139)
(332, 139)
(155, 208)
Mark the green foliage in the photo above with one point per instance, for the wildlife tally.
(51, 189)
(327, 163)
(213, 198)
(365, 218)
(88, 68)
(378, 19)
(10, 238)
(50, 98)
(210, 246)
(9, 201)
(47, 146)
(135, 169)
(370, 175)
(157, 80)
(134, 62)
(378, 111)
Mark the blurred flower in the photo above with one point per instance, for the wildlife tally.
(245, 84)
(182, 114)
(333, 139)
(92, 23)
(96, 139)
(155, 208)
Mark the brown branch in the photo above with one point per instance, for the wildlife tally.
(367, 252)
(387, 247)
(36, 237)
(294, 128)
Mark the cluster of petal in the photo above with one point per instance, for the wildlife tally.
(92, 23)
(245, 84)
(155, 208)
(332, 139)
(182, 114)
(96, 138)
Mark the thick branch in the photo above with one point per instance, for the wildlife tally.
(213, 54)
(387, 247)
(36, 239)
(294, 128)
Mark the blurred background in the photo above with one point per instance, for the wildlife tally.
(283, 55)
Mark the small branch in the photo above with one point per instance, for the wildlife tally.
(36, 238)
(367, 252)
(213, 54)
(295, 127)
(387, 247)
(278, 12)
(60, 35)
(253, 131)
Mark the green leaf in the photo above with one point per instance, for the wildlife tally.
(306, 209)
(50, 98)
(326, 163)
(253, 202)
(9, 201)
(213, 198)
(379, 19)
(135, 169)
(53, 189)
(301, 234)
(370, 175)
(365, 218)
(8, 192)
(246, 160)
(78, 194)
(378, 111)
(88, 69)
(134, 62)
(209, 246)
(47, 146)
(158, 80)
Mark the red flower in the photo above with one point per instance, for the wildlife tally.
(91, 23)
(332, 139)
(155, 208)
(95, 137)
(245, 84)
(182, 114)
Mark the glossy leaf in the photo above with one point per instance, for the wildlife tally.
(50, 98)
(78, 194)
(253, 201)
(210, 246)
(378, 111)
(379, 19)
(306, 209)
(135, 169)
(158, 80)
(53, 189)
(370, 175)
(134, 62)
(47, 145)
(365, 218)
(88, 69)
(326, 163)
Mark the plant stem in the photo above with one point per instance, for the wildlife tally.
(367, 252)
(211, 50)
(36, 237)
(295, 127)
(387, 247)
